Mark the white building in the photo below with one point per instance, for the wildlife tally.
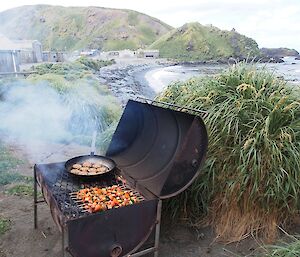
(30, 50)
(9, 61)
(148, 53)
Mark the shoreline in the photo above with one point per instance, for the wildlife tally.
(129, 79)
(126, 80)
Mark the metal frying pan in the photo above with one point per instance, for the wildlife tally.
(110, 164)
(92, 158)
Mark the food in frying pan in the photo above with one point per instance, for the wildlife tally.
(77, 166)
(100, 199)
(87, 164)
(88, 168)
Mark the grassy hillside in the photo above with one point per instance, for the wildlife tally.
(70, 28)
(194, 41)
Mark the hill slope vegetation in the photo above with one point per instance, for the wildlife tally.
(194, 41)
(70, 28)
(279, 52)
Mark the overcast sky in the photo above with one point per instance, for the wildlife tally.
(272, 23)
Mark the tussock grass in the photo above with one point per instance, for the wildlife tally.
(4, 225)
(7, 160)
(251, 180)
(8, 166)
(291, 249)
(10, 177)
(94, 64)
(20, 190)
(81, 69)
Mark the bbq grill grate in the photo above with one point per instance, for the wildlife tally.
(124, 187)
(64, 184)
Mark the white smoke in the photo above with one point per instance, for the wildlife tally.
(37, 116)
(34, 112)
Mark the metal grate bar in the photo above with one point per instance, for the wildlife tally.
(203, 114)
(67, 183)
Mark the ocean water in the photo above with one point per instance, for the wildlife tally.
(289, 70)
(159, 78)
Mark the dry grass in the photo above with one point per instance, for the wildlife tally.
(233, 222)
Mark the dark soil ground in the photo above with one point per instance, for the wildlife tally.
(23, 240)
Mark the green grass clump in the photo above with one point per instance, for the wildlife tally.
(69, 71)
(10, 177)
(7, 160)
(57, 73)
(251, 181)
(291, 249)
(20, 190)
(4, 225)
(8, 166)
(57, 82)
(94, 64)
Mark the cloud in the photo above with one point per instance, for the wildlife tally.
(274, 28)
(270, 23)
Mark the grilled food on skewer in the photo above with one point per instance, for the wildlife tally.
(98, 199)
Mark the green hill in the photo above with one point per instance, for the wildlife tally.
(279, 52)
(70, 28)
(193, 42)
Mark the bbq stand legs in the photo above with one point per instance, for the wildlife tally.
(157, 227)
(35, 203)
(35, 199)
(64, 239)
(156, 239)
(63, 243)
